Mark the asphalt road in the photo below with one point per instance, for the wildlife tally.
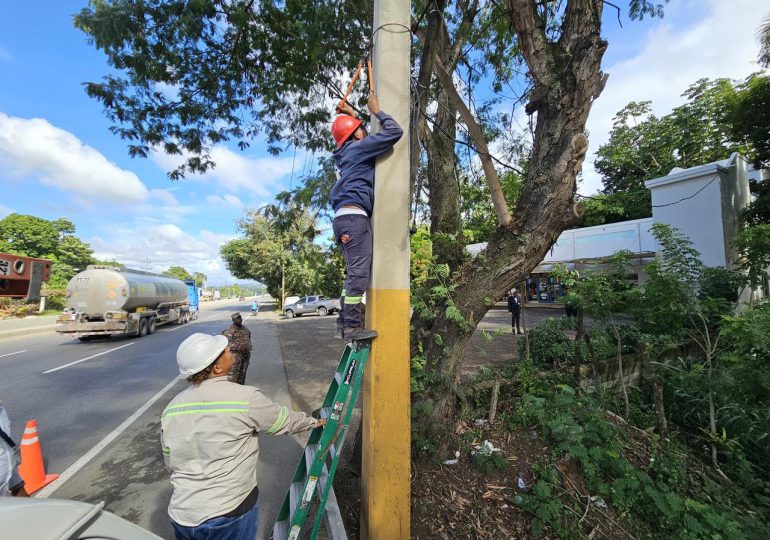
(97, 405)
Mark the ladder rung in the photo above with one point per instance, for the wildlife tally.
(335, 527)
(295, 495)
(338, 378)
(281, 530)
(310, 451)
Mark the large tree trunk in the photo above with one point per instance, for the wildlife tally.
(439, 142)
(445, 227)
(567, 79)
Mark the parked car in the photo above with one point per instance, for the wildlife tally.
(312, 304)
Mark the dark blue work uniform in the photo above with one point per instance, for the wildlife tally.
(355, 187)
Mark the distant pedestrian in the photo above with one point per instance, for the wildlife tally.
(570, 310)
(514, 306)
(10, 459)
(209, 438)
(239, 339)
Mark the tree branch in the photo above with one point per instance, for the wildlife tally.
(532, 39)
(495, 188)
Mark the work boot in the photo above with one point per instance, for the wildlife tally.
(359, 334)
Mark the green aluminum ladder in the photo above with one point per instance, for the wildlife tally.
(315, 472)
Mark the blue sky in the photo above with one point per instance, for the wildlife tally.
(59, 159)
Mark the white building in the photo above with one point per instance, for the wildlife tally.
(703, 202)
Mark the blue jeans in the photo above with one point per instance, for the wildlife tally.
(243, 527)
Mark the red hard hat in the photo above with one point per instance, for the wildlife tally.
(343, 127)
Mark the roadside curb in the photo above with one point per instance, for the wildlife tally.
(28, 331)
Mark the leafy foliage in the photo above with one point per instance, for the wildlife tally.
(178, 272)
(548, 344)
(718, 118)
(749, 117)
(193, 74)
(276, 250)
(53, 240)
(666, 495)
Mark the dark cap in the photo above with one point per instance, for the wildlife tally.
(236, 315)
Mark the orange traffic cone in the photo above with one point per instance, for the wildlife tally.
(32, 469)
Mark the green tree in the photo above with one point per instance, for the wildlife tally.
(74, 252)
(749, 117)
(200, 278)
(764, 42)
(603, 295)
(53, 240)
(281, 253)
(28, 235)
(643, 146)
(178, 272)
(240, 67)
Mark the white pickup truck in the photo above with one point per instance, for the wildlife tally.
(312, 304)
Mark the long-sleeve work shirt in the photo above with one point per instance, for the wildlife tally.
(209, 441)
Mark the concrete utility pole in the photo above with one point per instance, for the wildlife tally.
(386, 459)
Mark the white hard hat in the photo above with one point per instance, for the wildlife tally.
(198, 351)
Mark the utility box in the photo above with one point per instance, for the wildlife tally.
(704, 203)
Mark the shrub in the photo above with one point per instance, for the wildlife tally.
(548, 343)
(56, 300)
(667, 496)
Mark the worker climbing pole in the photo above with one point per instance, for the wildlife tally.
(386, 463)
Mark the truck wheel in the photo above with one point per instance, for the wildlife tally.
(180, 319)
(152, 326)
(289, 314)
(186, 317)
(142, 328)
(322, 311)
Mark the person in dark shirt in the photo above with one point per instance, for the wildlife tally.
(239, 339)
(352, 199)
(514, 306)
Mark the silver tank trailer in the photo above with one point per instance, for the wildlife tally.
(99, 289)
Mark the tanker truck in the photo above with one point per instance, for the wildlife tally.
(106, 300)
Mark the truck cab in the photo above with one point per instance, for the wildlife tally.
(193, 297)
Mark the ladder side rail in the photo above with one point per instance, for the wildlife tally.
(338, 441)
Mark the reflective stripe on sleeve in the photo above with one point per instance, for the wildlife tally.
(354, 299)
(283, 415)
(207, 407)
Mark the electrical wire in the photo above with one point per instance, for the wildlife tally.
(686, 198)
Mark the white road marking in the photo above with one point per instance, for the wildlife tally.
(12, 353)
(88, 456)
(87, 358)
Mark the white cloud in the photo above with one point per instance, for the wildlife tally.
(4, 211)
(164, 196)
(225, 200)
(721, 44)
(238, 173)
(169, 91)
(157, 246)
(35, 148)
